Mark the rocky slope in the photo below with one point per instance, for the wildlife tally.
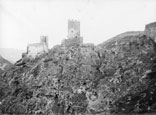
(4, 66)
(130, 67)
(117, 76)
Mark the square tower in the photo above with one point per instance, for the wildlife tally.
(44, 39)
(73, 28)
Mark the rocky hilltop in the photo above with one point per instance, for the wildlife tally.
(117, 76)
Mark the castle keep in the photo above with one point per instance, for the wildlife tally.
(74, 37)
(73, 28)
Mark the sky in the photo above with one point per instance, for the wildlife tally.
(22, 22)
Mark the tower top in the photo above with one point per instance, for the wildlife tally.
(44, 39)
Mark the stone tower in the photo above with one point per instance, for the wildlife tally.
(73, 28)
(73, 38)
(44, 39)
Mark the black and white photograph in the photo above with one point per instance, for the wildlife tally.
(77, 57)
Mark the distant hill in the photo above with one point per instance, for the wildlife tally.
(11, 54)
(4, 63)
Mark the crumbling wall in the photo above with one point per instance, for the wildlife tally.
(150, 30)
(77, 41)
(36, 49)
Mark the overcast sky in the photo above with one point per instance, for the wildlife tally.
(24, 21)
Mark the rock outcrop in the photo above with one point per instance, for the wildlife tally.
(4, 66)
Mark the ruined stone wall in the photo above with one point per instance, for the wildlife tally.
(77, 41)
(36, 49)
(150, 30)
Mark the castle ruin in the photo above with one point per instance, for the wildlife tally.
(36, 49)
(74, 37)
(150, 30)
